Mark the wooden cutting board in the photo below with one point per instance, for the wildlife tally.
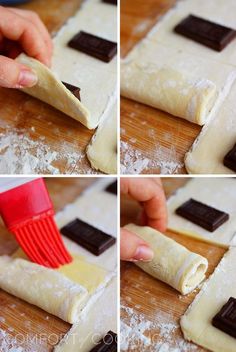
(32, 327)
(34, 128)
(150, 136)
(159, 304)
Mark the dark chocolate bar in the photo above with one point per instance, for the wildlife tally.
(92, 45)
(113, 2)
(87, 236)
(74, 90)
(210, 34)
(225, 320)
(112, 188)
(107, 344)
(230, 159)
(203, 215)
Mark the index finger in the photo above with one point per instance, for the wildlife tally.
(149, 192)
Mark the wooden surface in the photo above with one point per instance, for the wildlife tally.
(35, 329)
(152, 298)
(159, 138)
(35, 128)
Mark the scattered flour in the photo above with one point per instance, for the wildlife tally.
(163, 158)
(159, 335)
(9, 343)
(19, 154)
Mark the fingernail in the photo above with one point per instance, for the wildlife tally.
(27, 79)
(143, 253)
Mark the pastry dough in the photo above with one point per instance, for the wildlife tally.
(97, 79)
(42, 287)
(95, 321)
(102, 150)
(213, 10)
(50, 90)
(182, 82)
(172, 262)
(216, 192)
(204, 157)
(196, 322)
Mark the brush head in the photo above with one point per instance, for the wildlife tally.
(28, 213)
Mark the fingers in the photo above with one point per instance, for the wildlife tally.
(35, 19)
(149, 192)
(17, 28)
(133, 248)
(15, 75)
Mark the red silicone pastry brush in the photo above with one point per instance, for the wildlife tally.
(27, 212)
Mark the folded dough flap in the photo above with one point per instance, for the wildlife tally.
(52, 91)
(43, 287)
(168, 89)
(172, 263)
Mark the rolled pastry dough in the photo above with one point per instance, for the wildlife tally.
(42, 287)
(50, 90)
(172, 263)
(216, 192)
(182, 82)
(196, 322)
(204, 157)
(102, 150)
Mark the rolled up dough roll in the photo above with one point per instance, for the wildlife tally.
(172, 263)
(42, 287)
(52, 91)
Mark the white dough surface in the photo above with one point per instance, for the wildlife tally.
(219, 193)
(196, 322)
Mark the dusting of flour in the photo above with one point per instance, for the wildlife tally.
(133, 161)
(159, 335)
(20, 154)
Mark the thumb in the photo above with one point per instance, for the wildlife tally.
(133, 248)
(15, 75)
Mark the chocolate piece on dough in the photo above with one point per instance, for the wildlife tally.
(112, 188)
(202, 215)
(210, 34)
(74, 90)
(113, 2)
(107, 344)
(225, 319)
(230, 159)
(92, 45)
(87, 236)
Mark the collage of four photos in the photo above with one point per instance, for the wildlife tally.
(117, 175)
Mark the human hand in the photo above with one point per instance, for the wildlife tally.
(150, 194)
(21, 31)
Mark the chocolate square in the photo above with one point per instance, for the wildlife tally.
(112, 2)
(112, 188)
(87, 236)
(225, 319)
(74, 90)
(210, 34)
(202, 215)
(230, 159)
(107, 344)
(92, 45)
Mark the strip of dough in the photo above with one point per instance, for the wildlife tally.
(216, 192)
(97, 79)
(102, 150)
(182, 82)
(172, 263)
(43, 287)
(216, 139)
(50, 90)
(196, 322)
